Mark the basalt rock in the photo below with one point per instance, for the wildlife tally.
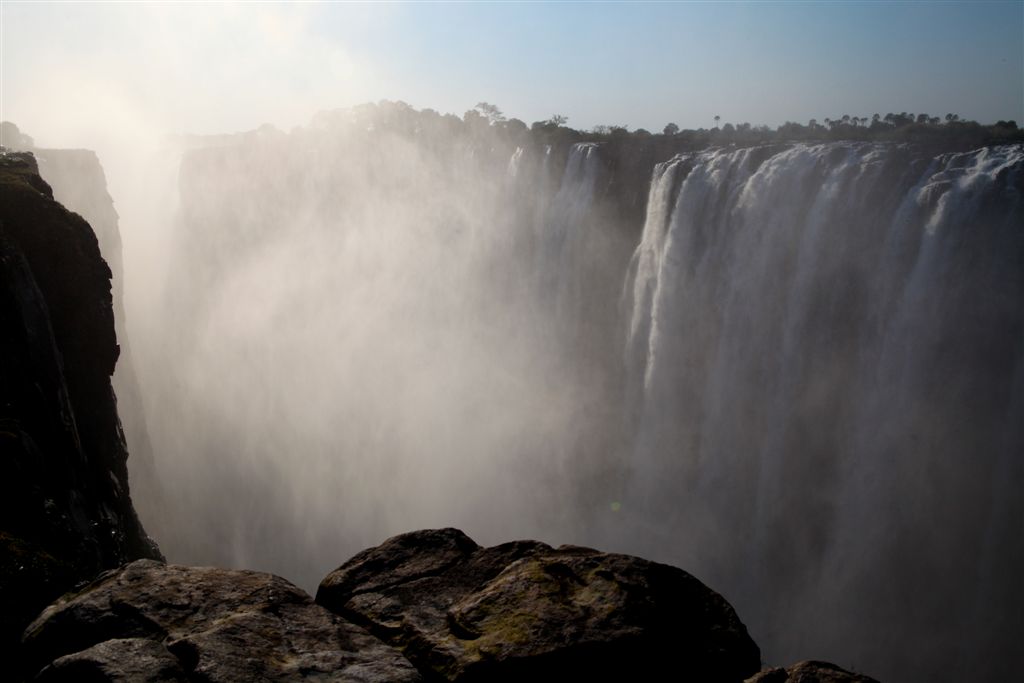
(810, 672)
(425, 606)
(79, 183)
(118, 659)
(65, 512)
(157, 622)
(525, 610)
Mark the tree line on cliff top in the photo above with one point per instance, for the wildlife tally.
(905, 127)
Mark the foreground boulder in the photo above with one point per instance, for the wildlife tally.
(524, 610)
(424, 606)
(154, 622)
(810, 672)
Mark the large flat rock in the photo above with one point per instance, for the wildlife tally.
(525, 610)
(154, 622)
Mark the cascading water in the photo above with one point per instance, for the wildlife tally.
(562, 234)
(805, 387)
(826, 343)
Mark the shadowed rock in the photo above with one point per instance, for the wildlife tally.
(525, 610)
(65, 511)
(120, 659)
(79, 183)
(154, 622)
(810, 672)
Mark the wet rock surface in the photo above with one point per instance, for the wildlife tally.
(155, 622)
(524, 610)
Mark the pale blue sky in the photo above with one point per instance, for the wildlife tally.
(76, 72)
(645, 63)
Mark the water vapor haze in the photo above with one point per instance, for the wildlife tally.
(333, 347)
(794, 369)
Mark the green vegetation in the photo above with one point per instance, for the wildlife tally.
(950, 131)
(486, 121)
(494, 137)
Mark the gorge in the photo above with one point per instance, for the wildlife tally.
(793, 368)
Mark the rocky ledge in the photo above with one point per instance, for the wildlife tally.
(424, 606)
(154, 622)
(524, 610)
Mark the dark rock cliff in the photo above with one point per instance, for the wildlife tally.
(79, 184)
(65, 512)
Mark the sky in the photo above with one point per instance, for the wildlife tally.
(95, 74)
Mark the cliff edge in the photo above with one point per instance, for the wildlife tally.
(65, 511)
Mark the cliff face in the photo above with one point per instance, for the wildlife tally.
(65, 512)
(79, 184)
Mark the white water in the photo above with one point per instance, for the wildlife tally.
(829, 349)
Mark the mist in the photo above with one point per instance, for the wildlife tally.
(754, 366)
(795, 370)
(347, 346)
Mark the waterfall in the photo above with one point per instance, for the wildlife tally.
(514, 163)
(794, 370)
(823, 348)
(562, 232)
